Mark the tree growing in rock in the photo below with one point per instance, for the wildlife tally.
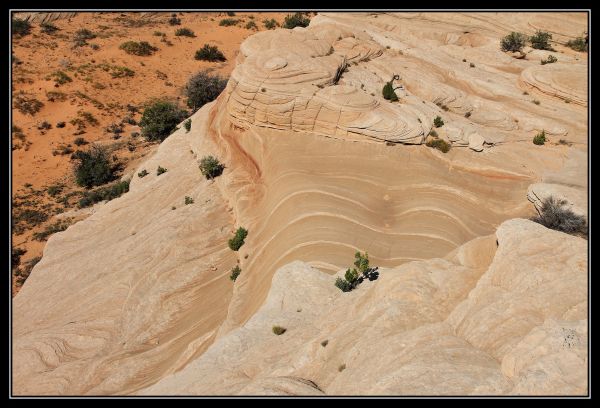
(513, 42)
(211, 167)
(388, 90)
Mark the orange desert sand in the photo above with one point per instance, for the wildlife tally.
(472, 297)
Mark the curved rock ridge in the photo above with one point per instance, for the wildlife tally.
(133, 292)
(285, 79)
(483, 321)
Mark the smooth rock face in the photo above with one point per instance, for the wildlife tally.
(129, 300)
(514, 324)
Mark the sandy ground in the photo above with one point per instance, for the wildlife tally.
(34, 166)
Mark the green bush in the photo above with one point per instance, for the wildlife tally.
(203, 88)
(160, 119)
(16, 256)
(226, 22)
(188, 200)
(94, 167)
(105, 193)
(20, 28)
(60, 78)
(142, 48)
(235, 272)
(209, 53)
(143, 173)
(211, 167)
(187, 125)
(541, 40)
(296, 20)
(81, 36)
(388, 91)
(578, 44)
(271, 24)
(26, 105)
(174, 20)
(278, 330)
(48, 28)
(184, 32)
(540, 138)
(438, 122)
(556, 216)
(237, 241)
(80, 141)
(362, 262)
(439, 144)
(550, 60)
(513, 42)
(251, 25)
(160, 170)
(343, 285)
(231, 13)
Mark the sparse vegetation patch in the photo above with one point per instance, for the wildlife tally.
(211, 167)
(202, 88)
(237, 241)
(142, 48)
(209, 53)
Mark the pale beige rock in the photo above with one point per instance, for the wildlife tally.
(429, 327)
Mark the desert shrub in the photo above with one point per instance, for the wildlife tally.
(94, 47)
(296, 20)
(20, 28)
(535, 101)
(251, 25)
(209, 53)
(342, 367)
(81, 36)
(578, 44)
(143, 173)
(80, 141)
(16, 255)
(324, 343)
(51, 229)
(184, 32)
(235, 272)
(129, 120)
(231, 13)
(343, 285)
(187, 125)
(104, 194)
(433, 133)
(48, 28)
(211, 167)
(237, 241)
(60, 78)
(550, 60)
(160, 170)
(45, 125)
(362, 262)
(174, 20)
(467, 114)
(27, 268)
(188, 200)
(116, 128)
(388, 91)
(61, 124)
(540, 40)
(278, 330)
(142, 48)
(56, 96)
(93, 168)
(540, 138)
(513, 42)
(343, 67)
(27, 105)
(226, 22)
(54, 190)
(203, 88)
(158, 33)
(471, 65)
(438, 122)
(24, 218)
(159, 120)
(270, 24)
(554, 215)
(439, 144)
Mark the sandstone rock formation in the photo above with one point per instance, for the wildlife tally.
(128, 301)
(475, 323)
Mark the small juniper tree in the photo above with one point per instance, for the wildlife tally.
(296, 20)
(513, 42)
(235, 272)
(203, 88)
(211, 167)
(388, 90)
(94, 167)
(541, 40)
(159, 120)
(187, 125)
(438, 122)
(237, 241)
(540, 138)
